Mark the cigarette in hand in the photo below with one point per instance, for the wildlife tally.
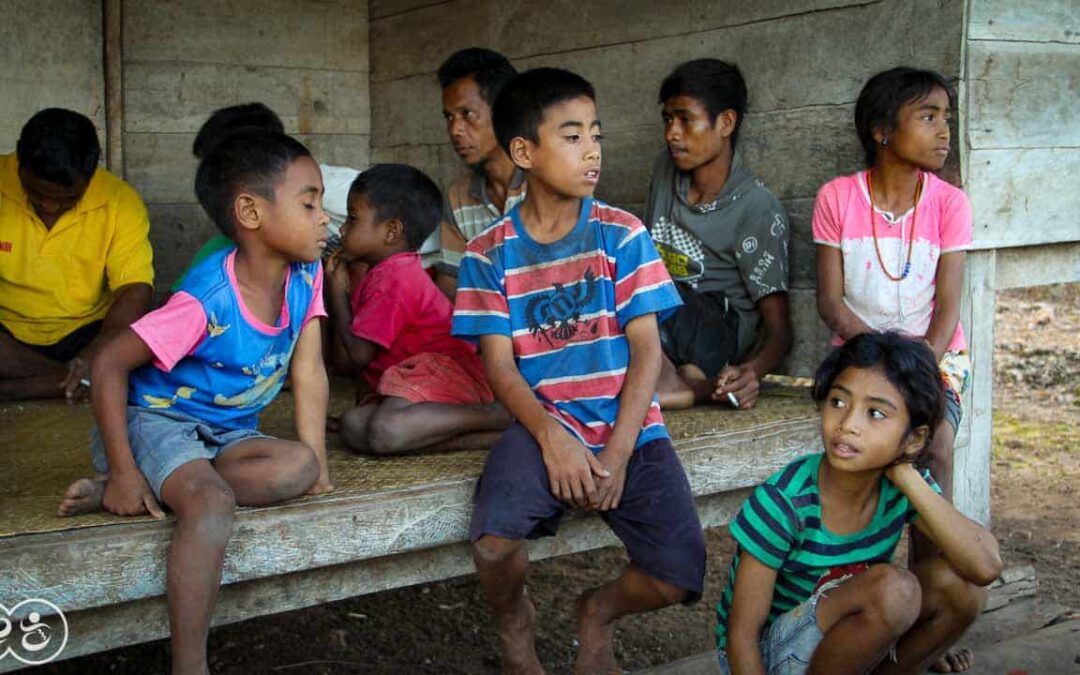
(84, 382)
(732, 400)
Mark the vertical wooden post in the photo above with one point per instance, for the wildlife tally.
(113, 30)
(971, 465)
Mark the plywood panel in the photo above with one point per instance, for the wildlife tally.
(1037, 265)
(1023, 95)
(1024, 197)
(1042, 21)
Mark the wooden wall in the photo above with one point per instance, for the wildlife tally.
(804, 63)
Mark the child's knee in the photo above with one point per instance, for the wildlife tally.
(959, 597)
(894, 597)
(210, 507)
(385, 432)
(489, 551)
(353, 428)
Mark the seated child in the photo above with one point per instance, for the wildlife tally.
(724, 238)
(891, 240)
(396, 329)
(177, 396)
(812, 587)
(564, 294)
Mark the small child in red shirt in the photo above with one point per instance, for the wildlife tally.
(432, 393)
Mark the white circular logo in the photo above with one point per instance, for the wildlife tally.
(34, 631)
(749, 245)
(777, 228)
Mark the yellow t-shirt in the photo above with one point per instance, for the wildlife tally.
(55, 281)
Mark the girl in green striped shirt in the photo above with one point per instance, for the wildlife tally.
(812, 587)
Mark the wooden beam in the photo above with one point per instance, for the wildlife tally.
(113, 29)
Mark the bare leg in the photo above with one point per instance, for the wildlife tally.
(949, 605)
(399, 425)
(598, 610)
(204, 506)
(673, 392)
(862, 618)
(265, 471)
(353, 427)
(83, 496)
(25, 374)
(502, 565)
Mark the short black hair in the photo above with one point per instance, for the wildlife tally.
(225, 121)
(249, 159)
(403, 192)
(719, 86)
(489, 69)
(520, 108)
(59, 146)
(908, 364)
(884, 94)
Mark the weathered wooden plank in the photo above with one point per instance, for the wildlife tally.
(1037, 265)
(1043, 21)
(144, 620)
(178, 96)
(811, 334)
(1023, 197)
(971, 462)
(129, 561)
(802, 252)
(521, 28)
(382, 8)
(1015, 583)
(51, 55)
(177, 231)
(352, 150)
(330, 34)
(1023, 95)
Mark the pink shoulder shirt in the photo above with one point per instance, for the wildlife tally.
(942, 225)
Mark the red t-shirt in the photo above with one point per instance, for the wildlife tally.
(398, 307)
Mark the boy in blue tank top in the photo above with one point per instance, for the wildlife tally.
(177, 396)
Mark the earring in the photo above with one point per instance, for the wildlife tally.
(884, 142)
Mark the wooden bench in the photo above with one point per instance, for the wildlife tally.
(390, 523)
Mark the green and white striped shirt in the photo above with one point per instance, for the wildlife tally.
(780, 525)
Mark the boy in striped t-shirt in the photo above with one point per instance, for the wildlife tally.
(563, 295)
(812, 587)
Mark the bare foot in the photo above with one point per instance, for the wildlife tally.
(82, 496)
(596, 653)
(517, 638)
(954, 662)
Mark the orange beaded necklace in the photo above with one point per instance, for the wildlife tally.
(911, 237)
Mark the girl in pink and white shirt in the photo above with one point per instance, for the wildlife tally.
(891, 239)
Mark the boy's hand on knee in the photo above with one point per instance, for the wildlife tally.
(609, 490)
(571, 466)
(739, 381)
(128, 494)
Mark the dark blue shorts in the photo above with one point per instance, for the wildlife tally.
(656, 519)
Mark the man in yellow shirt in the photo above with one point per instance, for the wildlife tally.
(75, 257)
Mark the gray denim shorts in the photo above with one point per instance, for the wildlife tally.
(788, 644)
(164, 440)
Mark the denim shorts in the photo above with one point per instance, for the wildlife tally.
(164, 440)
(656, 519)
(789, 643)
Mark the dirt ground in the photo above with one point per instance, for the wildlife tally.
(443, 627)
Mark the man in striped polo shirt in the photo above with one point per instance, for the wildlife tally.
(563, 295)
(470, 81)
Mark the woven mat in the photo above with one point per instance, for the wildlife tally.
(46, 447)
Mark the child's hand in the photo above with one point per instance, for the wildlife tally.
(337, 273)
(128, 494)
(739, 381)
(571, 466)
(609, 490)
(900, 472)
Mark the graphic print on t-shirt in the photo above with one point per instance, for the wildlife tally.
(556, 315)
(681, 251)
